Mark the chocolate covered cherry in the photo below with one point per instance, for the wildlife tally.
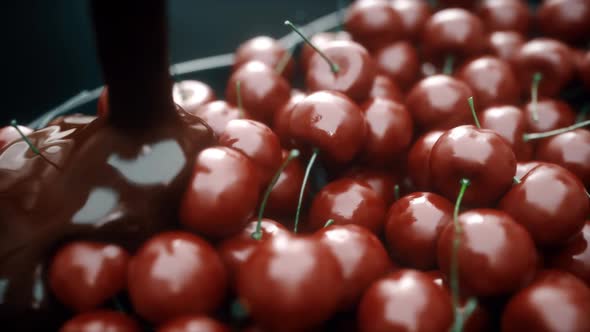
(505, 15)
(480, 155)
(567, 20)
(217, 114)
(266, 50)
(101, 321)
(175, 274)
(419, 159)
(191, 95)
(509, 122)
(193, 324)
(574, 256)
(9, 134)
(504, 44)
(552, 114)
(400, 62)
(570, 150)
(550, 202)
(414, 14)
(373, 23)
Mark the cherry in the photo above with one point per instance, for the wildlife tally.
(257, 141)
(509, 122)
(282, 201)
(550, 113)
(193, 324)
(438, 102)
(83, 275)
(523, 168)
(102, 107)
(419, 159)
(414, 15)
(217, 114)
(390, 130)
(320, 40)
(382, 182)
(263, 91)
(191, 95)
(347, 201)
(373, 23)
(383, 87)
(413, 226)
(223, 193)
(550, 58)
(505, 15)
(556, 301)
(101, 321)
(492, 81)
(360, 255)
(550, 202)
(567, 20)
(290, 283)
(280, 124)
(175, 274)
(266, 50)
(504, 44)
(400, 62)
(570, 150)
(9, 134)
(405, 300)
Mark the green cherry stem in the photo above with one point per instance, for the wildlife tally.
(449, 64)
(459, 319)
(33, 148)
(396, 194)
(329, 223)
(257, 234)
(239, 96)
(333, 66)
(533, 136)
(537, 77)
(284, 61)
(473, 113)
(312, 159)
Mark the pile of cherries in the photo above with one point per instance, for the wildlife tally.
(445, 187)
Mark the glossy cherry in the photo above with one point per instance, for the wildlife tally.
(282, 201)
(509, 122)
(574, 256)
(405, 300)
(413, 226)
(419, 159)
(523, 168)
(480, 155)
(373, 23)
(84, 275)
(504, 44)
(382, 182)
(552, 114)
(193, 324)
(9, 134)
(101, 321)
(570, 150)
(414, 15)
(550, 202)
(222, 194)
(175, 274)
(217, 114)
(320, 40)
(505, 15)
(290, 283)
(191, 95)
(567, 20)
(280, 124)
(361, 256)
(266, 50)
(400, 62)
(262, 91)
(556, 301)
(384, 87)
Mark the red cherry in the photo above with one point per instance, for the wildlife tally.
(83, 275)
(290, 283)
(439, 102)
(355, 75)
(382, 182)
(320, 40)
(574, 257)
(505, 15)
(551, 113)
(480, 155)
(557, 301)
(405, 300)
(223, 193)
(523, 168)
(492, 81)
(266, 50)
(193, 324)
(419, 159)
(280, 124)
(414, 14)
(390, 130)
(101, 321)
(175, 274)
(383, 87)
(567, 20)
(510, 123)
(373, 23)
(191, 95)
(504, 44)
(361, 256)
(282, 201)
(347, 201)
(399, 61)
(570, 150)
(9, 134)
(217, 114)
(331, 122)
(263, 91)
(103, 102)
(413, 226)
(550, 202)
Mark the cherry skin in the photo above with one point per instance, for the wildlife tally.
(383, 87)
(523, 168)
(320, 40)
(217, 114)
(567, 20)
(283, 198)
(257, 141)
(550, 202)
(552, 114)
(556, 301)
(480, 155)
(175, 274)
(361, 256)
(102, 107)
(262, 90)
(290, 283)
(405, 300)
(83, 275)
(574, 257)
(492, 81)
(373, 23)
(331, 122)
(280, 124)
(356, 70)
(382, 182)
(191, 95)
(510, 123)
(570, 150)
(101, 321)
(390, 130)
(413, 226)
(193, 324)
(9, 134)
(504, 44)
(414, 15)
(266, 50)
(347, 201)
(399, 61)
(505, 15)
(419, 159)
(222, 194)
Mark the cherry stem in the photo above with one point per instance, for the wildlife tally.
(284, 61)
(583, 113)
(333, 66)
(239, 96)
(459, 318)
(534, 136)
(329, 223)
(312, 159)
(515, 180)
(537, 77)
(257, 234)
(33, 148)
(448, 66)
(473, 113)
(396, 194)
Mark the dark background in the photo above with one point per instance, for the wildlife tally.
(48, 52)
